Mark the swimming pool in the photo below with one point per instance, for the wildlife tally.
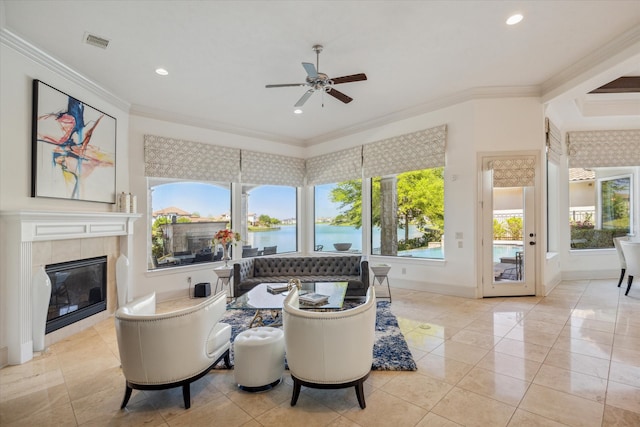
(499, 251)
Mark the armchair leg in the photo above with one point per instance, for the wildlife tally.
(127, 396)
(621, 277)
(227, 360)
(360, 394)
(629, 281)
(186, 395)
(296, 391)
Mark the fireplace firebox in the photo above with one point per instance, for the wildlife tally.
(78, 290)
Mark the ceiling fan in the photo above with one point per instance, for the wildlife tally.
(317, 81)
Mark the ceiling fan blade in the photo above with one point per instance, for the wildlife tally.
(351, 78)
(304, 98)
(340, 96)
(287, 85)
(310, 69)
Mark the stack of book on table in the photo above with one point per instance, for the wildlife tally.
(276, 288)
(313, 299)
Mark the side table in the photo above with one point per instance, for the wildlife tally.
(380, 273)
(224, 277)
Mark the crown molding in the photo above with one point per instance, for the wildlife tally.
(28, 50)
(623, 51)
(431, 106)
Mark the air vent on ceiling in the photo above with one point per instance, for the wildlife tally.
(97, 41)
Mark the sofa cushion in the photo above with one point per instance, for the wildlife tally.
(307, 266)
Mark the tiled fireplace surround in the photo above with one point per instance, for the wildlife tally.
(34, 239)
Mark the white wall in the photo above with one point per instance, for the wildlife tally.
(17, 73)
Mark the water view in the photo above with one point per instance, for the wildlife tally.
(327, 235)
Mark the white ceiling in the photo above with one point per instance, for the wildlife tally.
(417, 55)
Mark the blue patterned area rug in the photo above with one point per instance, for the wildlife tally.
(390, 350)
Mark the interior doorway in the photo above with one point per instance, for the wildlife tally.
(508, 226)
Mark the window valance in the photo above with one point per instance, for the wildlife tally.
(177, 158)
(515, 172)
(608, 148)
(554, 143)
(412, 151)
(271, 169)
(335, 167)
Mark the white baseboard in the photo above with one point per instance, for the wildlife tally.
(437, 288)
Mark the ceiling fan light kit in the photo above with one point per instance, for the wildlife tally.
(320, 82)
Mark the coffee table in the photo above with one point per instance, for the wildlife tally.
(259, 299)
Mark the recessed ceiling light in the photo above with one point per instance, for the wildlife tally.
(297, 111)
(161, 71)
(514, 19)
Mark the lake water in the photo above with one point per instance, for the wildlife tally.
(327, 235)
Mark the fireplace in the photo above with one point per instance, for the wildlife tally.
(78, 290)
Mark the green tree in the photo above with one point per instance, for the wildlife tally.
(348, 195)
(514, 225)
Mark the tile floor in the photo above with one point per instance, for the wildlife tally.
(572, 358)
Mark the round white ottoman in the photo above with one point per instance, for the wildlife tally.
(258, 356)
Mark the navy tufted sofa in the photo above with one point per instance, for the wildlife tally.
(249, 272)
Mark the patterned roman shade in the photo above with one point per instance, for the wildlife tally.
(335, 167)
(589, 149)
(554, 143)
(516, 172)
(412, 151)
(177, 158)
(271, 169)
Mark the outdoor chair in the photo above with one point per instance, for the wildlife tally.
(270, 250)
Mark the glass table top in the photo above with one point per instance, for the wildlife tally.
(260, 298)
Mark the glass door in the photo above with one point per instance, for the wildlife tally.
(509, 237)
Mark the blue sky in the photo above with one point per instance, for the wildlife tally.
(211, 200)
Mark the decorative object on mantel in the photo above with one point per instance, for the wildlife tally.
(73, 148)
(127, 203)
(226, 237)
(40, 297)
(122, 279)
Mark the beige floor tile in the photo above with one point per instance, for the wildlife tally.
(627, 341)
(597, 325)
(422, 341)
(624, 373)
(384, 409)
(532, 335)
(587, 334)
(513, 366)
(497, 386)
(420, 390)
(603, 351)
(575, 383)
(475, 339)
(61, 415)
(489, 328)
(522, 349)
(446, 369)
(461, 352)
(554, 404)
(28, 404)
(616, 417)
(522, 418)
(626, 355)
(623, 396)
(471, 409)
(576, 362)
(222, 410)
(433, 420)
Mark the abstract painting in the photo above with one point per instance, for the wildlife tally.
(74, 148)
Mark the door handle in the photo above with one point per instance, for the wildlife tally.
(532, 243)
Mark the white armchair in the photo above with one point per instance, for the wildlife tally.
(159, 351)
(332, 349)
(631, 252)
(623, 263)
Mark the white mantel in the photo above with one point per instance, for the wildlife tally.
(21, 229)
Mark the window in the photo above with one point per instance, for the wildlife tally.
(407, 214)
(271, 220)
(338, 216)
(186, 215)
(600, 206)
